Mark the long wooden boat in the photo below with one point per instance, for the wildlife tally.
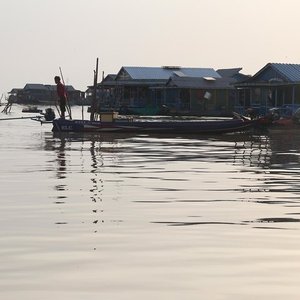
(155, 126)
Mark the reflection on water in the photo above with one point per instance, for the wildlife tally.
(168, 166)
(144, 216)
(80, 162)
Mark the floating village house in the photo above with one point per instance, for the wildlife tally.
(43, 94)
(151, 90)
(275, 85)
(213, 95)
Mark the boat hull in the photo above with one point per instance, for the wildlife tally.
(216, 126)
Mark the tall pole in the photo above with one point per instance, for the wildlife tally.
(102, 90)
(94, 99)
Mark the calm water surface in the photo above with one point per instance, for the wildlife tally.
(144, 217)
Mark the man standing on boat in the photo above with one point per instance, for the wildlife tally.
(62, 94)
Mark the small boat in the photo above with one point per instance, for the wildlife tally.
(278, 118)
(154, 125)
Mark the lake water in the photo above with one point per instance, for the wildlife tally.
(148, 217)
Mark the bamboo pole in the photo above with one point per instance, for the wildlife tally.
(94, 100)
(20, 118)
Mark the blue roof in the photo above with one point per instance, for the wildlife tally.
(290, 71)
(164, 73)
(34, 86)
(276, 72)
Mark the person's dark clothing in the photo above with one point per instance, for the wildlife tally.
(61, 92)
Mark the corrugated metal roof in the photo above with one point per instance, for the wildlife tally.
(150, 82)
(162, 73)
(46, 87)
(200, 72)
(69, 88)
(200, 83)
(14, 90)
(290, 71)
(34, 86)
(229, 72)
(179, 74)
(273, 74)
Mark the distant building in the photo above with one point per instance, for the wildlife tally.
(43, 94)
(275, 85)
(15, 95)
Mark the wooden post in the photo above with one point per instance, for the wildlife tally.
(102, 89)
(293, 97)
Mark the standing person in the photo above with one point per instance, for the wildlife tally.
(62, 94)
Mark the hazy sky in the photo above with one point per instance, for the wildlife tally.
(39, 36)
